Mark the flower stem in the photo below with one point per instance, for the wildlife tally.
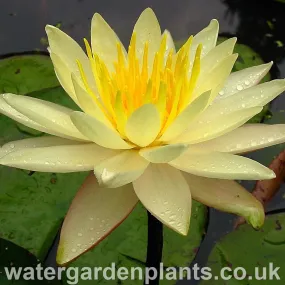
(154, 247)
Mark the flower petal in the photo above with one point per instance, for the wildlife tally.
(182, 121)
(221, 165)
(63, 75)
(69, 51)
(246, 138)
(258, 95)
(45, 141)
(93, 214)
(104, 41)
(163, 154)
(215, 79)
(169, 44)
(88, 104)
(216, 55)
(200, 131)
(228, 196)
(143, 125)
(10, 112)
(52, 116)
(243, 79)
(147, 29)
(207, 37)
(61, 159)
(166, 195)
(121, 169)
(98, 132)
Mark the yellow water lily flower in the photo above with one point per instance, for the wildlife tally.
(159, 125)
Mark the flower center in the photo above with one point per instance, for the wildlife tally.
(168, 83)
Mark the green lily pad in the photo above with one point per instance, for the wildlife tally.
(22, 74)
(13, 256)
(32, 206)
(126, 245)
(250, 249)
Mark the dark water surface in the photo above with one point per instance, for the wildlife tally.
(259, 24)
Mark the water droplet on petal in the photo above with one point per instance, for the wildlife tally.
(239, 87)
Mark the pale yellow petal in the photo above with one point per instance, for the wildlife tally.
(221, 165)
(216, 55)
(121, 169)
(63, 75)
(104, 41)
(69, 51)
(98, 132)
(227, 196)
(147, 29)
(10, 112)
(61, 159)
(93, 214)
(88, 104)
(246, 138)
(45, 141)
(200, 131)
(258, 95)
(169, 44)
(163, 154)
(216, 78)
(181, 123)
(143, 125)
(207, 37)
(54, 117)
(166, 195)
(243, 79)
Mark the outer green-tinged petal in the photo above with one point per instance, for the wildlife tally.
(169, 44)
(216, 55)
(207, 37)
(243, 79)
(147, 29)
(246, 138)
(258, 95)
(98, 132)
(143, 125)
(200, 131)
(63, 75)
(69, 51)
(221, 165)
(228, 196)
(121, 169)
(10, 112)
(87, 103)
(182, 121)
(165, 193)
(45, 141)
(104, 41)
(93, 214)
(61, 159)
(215, 79)
(163, 154)
(54, 117)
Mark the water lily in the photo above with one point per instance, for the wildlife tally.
(158, 125)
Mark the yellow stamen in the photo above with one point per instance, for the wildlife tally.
(132, 83)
